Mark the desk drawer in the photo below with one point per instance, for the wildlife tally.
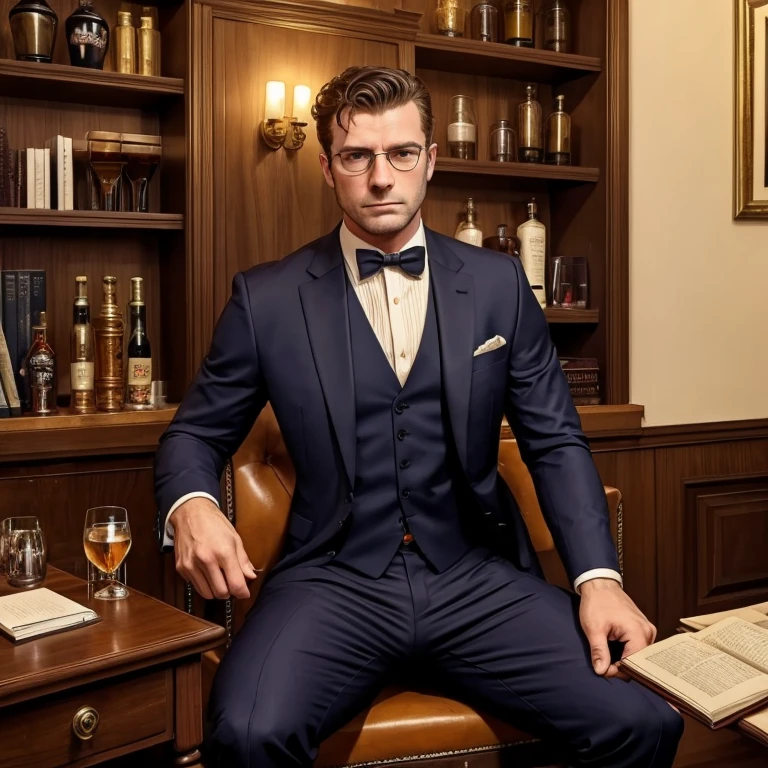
(40, 734)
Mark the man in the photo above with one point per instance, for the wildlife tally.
(389, 354)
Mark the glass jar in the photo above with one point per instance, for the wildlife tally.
(502, 144)
(519, 23)
(451, 16)
(529, 127)
(485, 22)
(557, 27)
(462, 128)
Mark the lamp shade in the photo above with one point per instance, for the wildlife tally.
(301, 99)
(274, 102)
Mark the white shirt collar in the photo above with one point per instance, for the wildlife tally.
(350, 243)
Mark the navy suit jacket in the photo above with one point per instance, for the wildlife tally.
(283, 337)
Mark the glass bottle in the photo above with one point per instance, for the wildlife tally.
(559, 135)
(533, 248)
(148, 44)
(502, 142)
(503, 241)
(557, 27)
(40, 371)
(484, 21)
(108, 331)
(139, 375)
(468, 230)
(529, 126)
(81, 351)
(125, 43)
(451, 16)
(462, 128)
(518, 23)
(87, 37)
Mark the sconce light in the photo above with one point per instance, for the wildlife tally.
(277, 128)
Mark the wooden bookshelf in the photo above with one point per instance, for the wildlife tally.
(577, 316)
(553, 173)
(95, 219)
(60, 82)
(456, 54)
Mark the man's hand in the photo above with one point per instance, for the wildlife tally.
(607, 613)
(209, 551)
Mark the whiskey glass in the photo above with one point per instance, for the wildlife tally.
(106, 540)
(107, 164)
(141, 161)
(26, 556)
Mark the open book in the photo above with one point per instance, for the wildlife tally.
(755, 614)
(717, 675)
(25, 615)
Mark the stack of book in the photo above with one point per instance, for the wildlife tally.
(583, 376)
(23, 298)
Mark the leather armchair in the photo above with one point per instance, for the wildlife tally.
(402, 725)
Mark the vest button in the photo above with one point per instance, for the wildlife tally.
(402, 433)
(331, 554)
(400, 407)
(405, 493)
(404, 464)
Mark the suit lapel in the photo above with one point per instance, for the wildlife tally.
(324, 302)
(455, 310)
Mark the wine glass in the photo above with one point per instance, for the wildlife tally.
(106, 540)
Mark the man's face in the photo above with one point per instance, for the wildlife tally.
(381, 202)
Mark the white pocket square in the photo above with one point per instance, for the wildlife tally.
(488, 346)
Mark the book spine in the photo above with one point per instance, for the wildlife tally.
(24, 327)
(69, 175)
(7, 378)
(47, 178)
(21, 187)
(10, 325)
(5, 410)
(29, 178)
(37, 302)
(5, 171)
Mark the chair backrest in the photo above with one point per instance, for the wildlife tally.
(260, 480)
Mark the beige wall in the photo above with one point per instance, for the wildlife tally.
(698, 280)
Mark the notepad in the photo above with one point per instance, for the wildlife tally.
(26, 615)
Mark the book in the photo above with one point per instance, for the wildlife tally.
(7, 379)
(717, 675)
(756, 726)
(10, 326)
(755, 614)
(38, 612)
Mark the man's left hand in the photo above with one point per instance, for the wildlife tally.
(607, 613)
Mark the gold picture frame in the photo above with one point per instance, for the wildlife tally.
(751, 110)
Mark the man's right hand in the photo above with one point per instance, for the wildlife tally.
(209, 551)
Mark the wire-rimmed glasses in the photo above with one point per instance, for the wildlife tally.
(356, 161)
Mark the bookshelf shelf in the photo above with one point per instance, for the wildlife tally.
(96, 219)
(62, 83)
(572, 316)
(70, 434)
(473, 57)
(553, 173)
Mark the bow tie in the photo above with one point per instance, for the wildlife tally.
(370, 262)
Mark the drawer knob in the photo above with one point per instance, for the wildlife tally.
(85, 722)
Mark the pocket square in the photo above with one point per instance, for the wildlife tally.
(488, 346)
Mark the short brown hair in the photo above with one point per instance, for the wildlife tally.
(369, 90)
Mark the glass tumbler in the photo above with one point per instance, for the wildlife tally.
(570, 288)
(27, 558)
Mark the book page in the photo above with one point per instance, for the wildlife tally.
(700, 674)
(739, 638)
(758, 721)
(757, 614)
(36, 606)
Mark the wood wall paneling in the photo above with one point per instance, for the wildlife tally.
(59, 493)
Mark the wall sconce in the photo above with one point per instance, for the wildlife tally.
(277, 128)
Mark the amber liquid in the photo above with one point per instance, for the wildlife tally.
(107, 546)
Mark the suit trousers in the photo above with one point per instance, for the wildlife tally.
(322, 641)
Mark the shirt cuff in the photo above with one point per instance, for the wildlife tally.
(169, 531)
(597, 573)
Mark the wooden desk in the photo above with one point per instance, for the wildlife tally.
(139, 668)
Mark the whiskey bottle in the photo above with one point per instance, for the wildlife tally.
(533, 250)
(82, 355)
(139, 375)
(529, 128)
(559, 136)
(40, 371)
(468, 231)
(108, 330)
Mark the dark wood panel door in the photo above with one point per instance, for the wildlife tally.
(60, 493)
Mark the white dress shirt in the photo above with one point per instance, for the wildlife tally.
(395, 304)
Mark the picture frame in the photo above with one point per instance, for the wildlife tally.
(751, 110)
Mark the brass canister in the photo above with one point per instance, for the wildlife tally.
(108, 329)
(125, 43)
(149, 46)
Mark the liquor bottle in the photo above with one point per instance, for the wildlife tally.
(108, 330)
(503, 241)
(139, 375)
(125, 43)
(557, 27)
(518, 23)
(468, 231)
(531, 141)
(82, 355)
(462, 128)
(533, 250)
(40, 371)
(149, 44)
(559, 135)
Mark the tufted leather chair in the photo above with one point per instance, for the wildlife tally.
(401, 726)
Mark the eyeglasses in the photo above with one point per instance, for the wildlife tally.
(357, 161)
